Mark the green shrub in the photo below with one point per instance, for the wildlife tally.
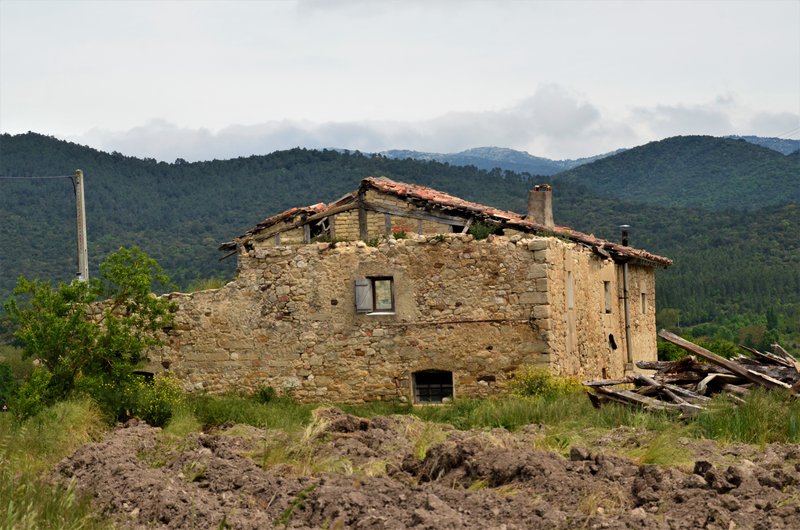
(482, 230)
(265, 394)
(530, 381)
(33, 395)
(156, 401)
(8, 385)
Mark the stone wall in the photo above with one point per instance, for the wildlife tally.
(477, 308)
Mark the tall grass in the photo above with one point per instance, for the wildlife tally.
(31, 448)
(766, 416)
(281, 413)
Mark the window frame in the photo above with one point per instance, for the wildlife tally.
(366, 296)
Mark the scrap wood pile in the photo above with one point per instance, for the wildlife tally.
(686, 385)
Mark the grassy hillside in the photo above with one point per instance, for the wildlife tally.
(725, 262)
(694, 171)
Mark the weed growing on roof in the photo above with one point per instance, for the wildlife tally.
(482, 229)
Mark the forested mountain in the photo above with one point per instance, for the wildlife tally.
(180, 212)
(489, 158)
(726, 262)
(694, 171)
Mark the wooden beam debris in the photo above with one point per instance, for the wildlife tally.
(686, 385)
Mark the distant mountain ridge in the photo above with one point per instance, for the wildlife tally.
(785, 146)
(489, 158)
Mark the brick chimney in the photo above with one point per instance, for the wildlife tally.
(540, 205)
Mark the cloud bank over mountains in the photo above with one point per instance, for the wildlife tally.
(554, 122)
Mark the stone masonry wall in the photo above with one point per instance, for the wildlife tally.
(477, 308)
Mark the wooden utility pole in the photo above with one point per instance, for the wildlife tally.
(83, 252)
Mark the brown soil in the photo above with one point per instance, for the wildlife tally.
(346, 472)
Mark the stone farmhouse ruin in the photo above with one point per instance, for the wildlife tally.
(385, 294)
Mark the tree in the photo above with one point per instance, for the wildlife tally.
(94, 331)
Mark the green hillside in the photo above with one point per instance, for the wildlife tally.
(179, 213)
(694, 171)
(726, 263)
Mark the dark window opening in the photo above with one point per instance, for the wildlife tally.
(456, 229)
(612, 342)
(320, 231)
(433, 386)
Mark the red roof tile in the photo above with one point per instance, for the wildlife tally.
(456, 206)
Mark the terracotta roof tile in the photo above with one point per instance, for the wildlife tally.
(456, 206)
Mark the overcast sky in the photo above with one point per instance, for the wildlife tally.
(202, 80)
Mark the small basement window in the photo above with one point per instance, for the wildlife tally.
(432, 386)
(375, 295)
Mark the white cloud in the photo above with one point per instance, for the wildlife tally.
(554, 122)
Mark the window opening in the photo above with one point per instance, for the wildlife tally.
(433, 386)
(607, 293)
(382, 294)
(375, 295)
(612, 342)
(644, 303)
(320, 230)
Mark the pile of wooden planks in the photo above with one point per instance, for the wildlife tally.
(687, 384)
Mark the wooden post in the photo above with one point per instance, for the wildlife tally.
(83, 252)
(363, 232)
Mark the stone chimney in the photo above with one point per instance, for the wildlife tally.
(540, 205)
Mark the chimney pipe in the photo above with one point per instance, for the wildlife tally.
(540, 205)
(624, 229)
(626, 303)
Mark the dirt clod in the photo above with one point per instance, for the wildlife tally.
(368, 474)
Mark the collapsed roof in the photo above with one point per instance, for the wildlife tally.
(431, 200)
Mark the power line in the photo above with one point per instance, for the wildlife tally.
(32, 178)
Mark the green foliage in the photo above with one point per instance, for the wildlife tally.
(265, 394)
(482, 230)
(95, 330)
(8, 385)
(155, 401)
(668, 318)
(374, 241)
(33, 395)
(668, 351)
(530, 381)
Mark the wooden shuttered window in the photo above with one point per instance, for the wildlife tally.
(363, 295)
